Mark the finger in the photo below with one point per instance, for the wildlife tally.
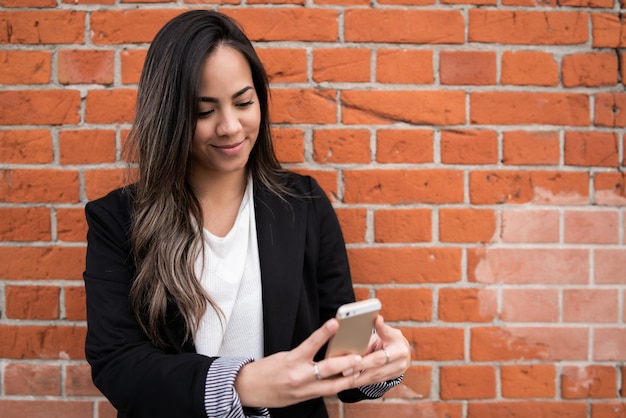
(342, 365)
(309, 347)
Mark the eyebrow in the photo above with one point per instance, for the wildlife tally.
(234, 96)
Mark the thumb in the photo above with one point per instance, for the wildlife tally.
(383, 330)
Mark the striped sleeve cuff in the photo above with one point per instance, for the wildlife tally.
(220, 397)
(379, 389)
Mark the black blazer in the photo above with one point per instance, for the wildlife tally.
(305, 277)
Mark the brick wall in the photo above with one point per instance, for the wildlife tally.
(474, 151)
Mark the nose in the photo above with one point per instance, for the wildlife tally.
(228, 123)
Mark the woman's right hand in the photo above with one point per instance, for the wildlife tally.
(288, 377)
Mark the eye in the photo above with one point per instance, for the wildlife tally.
(205, 114)
(245, 104)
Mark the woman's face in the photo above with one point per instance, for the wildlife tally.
(229, 114)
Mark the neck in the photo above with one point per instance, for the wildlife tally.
(218, 187)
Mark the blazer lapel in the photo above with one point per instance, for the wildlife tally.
(281, 231)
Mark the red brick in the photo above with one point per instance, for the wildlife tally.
(435, 344)
(25, 224)
(530, 3)
(591, 227)
(85, 66)
(32, 302)
(587, 3)
(353, 223)
(592, 381)
(404, 26)
(530, 266)
(402, 225)
(404, 304)
(71, 224)
(403, 410)
(110, 106)
(99, 182)
(466, 225)
(591, 149)
(609, 343)
(342, 65)
(343, 2)
(414, 107)
(75, 308)
(43, 107)
(417, 383)
(56, 263)
(32, 379)
(403, 186)
(529, 68)
(407, 2)
(288, 144)
(609, 266)
(467, 67)
(303, 106)
(529, 343)
(608, 409)
(608, 30)
(531, 148)
(467, 382)
(42, 27)
(43, 408)
(342, 146)
(78, 381)
(516, 409)
(469, 147)
(284, 65)
(32, 146)
(28, 3)
(610, 189)
(530, 226)
(473, 2)
(590, 69)
(565, 188)
(127, 26)
(467, 305)
(25, 67)
(404, 146)
(33, 186)
(520, 108)
(528, 381)
(530, 305)
(287, 24)
(404, 66)
(42, 342)
(87, 146)
(527, 27)
(405, 265)
(132, 64)
(610, 109)
(106, 410)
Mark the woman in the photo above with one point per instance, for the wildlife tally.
(213, 280)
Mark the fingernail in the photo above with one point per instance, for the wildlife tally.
(358, 358)
(347, 372)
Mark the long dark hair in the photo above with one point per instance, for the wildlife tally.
(166, 230)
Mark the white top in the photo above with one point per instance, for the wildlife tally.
(232, 278)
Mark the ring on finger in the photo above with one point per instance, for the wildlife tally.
(316, 371)
(388, 356)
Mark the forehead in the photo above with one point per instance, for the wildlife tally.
(225, 70)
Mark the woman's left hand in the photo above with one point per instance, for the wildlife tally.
(388, 355)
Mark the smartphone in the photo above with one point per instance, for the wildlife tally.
(356, 322)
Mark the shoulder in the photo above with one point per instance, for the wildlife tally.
(116, 205)
(302, 186)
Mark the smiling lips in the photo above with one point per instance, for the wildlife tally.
(229, 149)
